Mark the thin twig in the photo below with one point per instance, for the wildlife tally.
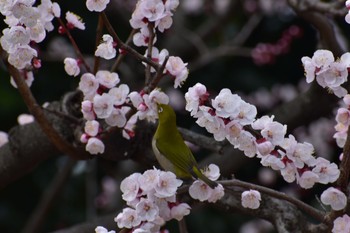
(183, 226)
(157, 77)
(149, 53)
(127, 48)
(75, 46)
(98, 39)
(122, 55)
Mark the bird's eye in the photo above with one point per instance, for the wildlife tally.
(160, 109)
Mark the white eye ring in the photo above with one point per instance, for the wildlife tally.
(160, 109)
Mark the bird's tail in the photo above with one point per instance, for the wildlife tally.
(198, 174)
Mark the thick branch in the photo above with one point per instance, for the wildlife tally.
(285, 216)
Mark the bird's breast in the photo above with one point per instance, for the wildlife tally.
(162, 160)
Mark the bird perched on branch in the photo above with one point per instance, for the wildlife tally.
(171, 151)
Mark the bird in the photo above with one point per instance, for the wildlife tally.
(171, 150)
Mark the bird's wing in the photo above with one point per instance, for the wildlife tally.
(179, 154)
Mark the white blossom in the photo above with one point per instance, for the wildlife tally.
(24, 119)
(106, 49)
(167, 185)
(335, 198)
(74, 21)
(251, 199)
(119, 94)
(96, 5)
(3, 138)
(103, 105)
(92, 128)
(341, 224)
(107, 79)
(128, 218)
(88, 85)
(194, 96)
(95, 146)
(308, 179)
(71, 66)
(179, 211)
(226, 104)
(130, 187)
(101, 229)
(327, 172)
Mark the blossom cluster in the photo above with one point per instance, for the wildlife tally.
(229, 117)
(267, 53)
(343, 122)
(329, 73)
(106, 99)
(157, 14)
(27, 24)
(151, 198)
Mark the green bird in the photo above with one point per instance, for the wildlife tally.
(171, 151)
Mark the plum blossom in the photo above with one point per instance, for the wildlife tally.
(146, 104)
(341, 224)
(179, 211)
(167, 185)
(87, 110)
(92, 127)
(3, 138)
(24, 119)
(21, 57)
(157, 11)
(118, 117)
(95, 146)
(119, 94)
(251, 199)
(96, 5)
(335, 198)
(327, 172)
(152, 9)
(343, 123)
(101, 229)
(228, 117)
(329, 73)
(226, 104)
(274, 132)
(71, 66)
(147, 209)
(308, 179)
(195, 96)
(129, 218)
(177, 68)
(151, 201)
(202, 192)
(103, 105)
(107, 79)
(130, 187)
(106, 49)
(88, 85)
(74, 21)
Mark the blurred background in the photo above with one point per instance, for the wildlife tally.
(252, 47)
